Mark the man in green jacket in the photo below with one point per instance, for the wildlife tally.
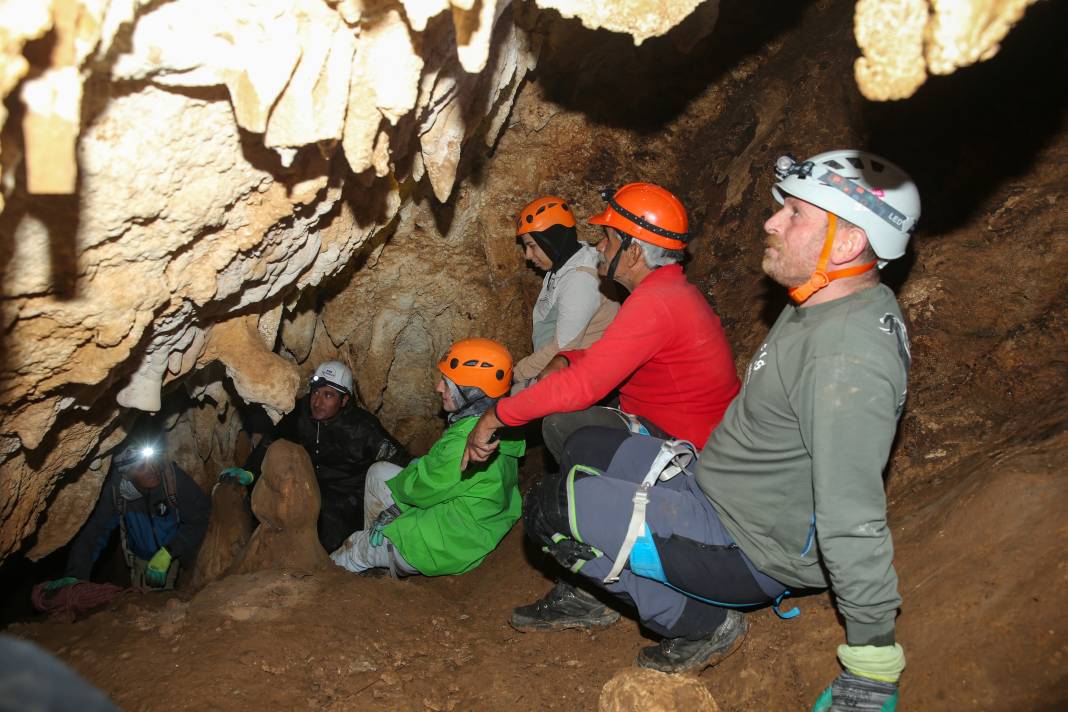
(788, 492)
(430, 518)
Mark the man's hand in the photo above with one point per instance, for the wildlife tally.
(384, 518)
(236, 475)
(156, 572)
(481, 441)
(869, 683)
(557, 364)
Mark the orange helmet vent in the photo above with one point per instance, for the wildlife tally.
(482, 363)
(542, 214)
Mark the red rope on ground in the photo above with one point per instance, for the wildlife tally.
(75, 599)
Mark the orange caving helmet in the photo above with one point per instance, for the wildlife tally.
(482, 363)
(646, 212)
(542, 214)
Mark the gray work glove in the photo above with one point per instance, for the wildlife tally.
(386, 517)
(853, 693)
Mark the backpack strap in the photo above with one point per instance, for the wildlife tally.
(170, 489)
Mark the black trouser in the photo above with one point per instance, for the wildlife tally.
(340, 515)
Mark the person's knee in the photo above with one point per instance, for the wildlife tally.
(547, 517)
(552, 431)
(381, 472)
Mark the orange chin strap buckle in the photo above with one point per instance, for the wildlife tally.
(821, 277)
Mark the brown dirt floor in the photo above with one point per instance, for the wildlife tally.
(977, 632)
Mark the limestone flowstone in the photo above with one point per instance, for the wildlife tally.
(215, 145)
(936, 36)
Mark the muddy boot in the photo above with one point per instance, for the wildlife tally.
(565, 606)
(373, 573)
(681, 654)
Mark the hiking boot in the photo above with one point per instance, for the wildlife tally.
(680, 654)
(373, 573)
(564, 607)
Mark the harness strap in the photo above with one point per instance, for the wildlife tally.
(674, 456)
(170, 489)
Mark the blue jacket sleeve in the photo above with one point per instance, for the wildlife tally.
(93, 537)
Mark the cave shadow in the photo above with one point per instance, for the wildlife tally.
(59, 213)
(774, 299)
(964, 136)
(651, 85)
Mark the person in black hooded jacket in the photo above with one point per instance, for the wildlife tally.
(343, 440)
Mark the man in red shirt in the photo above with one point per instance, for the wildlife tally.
(665, 352)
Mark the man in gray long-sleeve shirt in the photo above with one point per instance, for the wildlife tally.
(788, 492)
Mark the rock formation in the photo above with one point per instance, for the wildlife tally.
(286, 502)
(652, 691)
(229, 531)
(929, 36)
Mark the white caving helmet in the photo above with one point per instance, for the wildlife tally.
(334, 374)
(867, 190)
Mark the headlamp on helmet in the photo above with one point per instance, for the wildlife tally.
(133, 457)
(334, 374)
(863, 188)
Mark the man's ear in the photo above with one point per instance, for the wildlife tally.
(850, 244)
(634, 254)
(344, 400)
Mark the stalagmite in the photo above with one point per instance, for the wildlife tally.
(228, 535)
(286, 502)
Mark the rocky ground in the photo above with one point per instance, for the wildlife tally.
(979, 632)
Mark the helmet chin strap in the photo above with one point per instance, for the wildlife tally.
(625, 241)
(821, 277)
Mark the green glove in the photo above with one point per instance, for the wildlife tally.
(869, 683)
(237, 475)
(156, 573)
(51, 588)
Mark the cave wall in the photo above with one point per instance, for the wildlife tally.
(982, 283)
(192, 231)
(229, 157)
